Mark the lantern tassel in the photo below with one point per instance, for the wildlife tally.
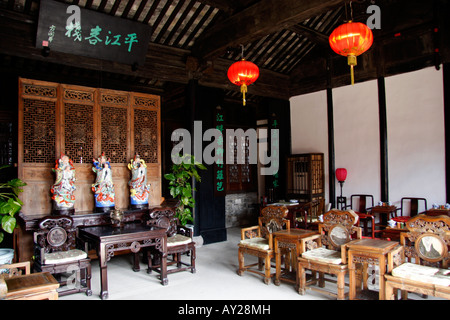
(351, 60)
(352, 75)
(243, 90)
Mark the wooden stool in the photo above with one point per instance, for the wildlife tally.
(35, 286)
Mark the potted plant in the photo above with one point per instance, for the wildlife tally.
(180, 186)
(10, 204)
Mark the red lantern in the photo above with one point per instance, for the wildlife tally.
(243, 73)
(350, 40)
(341, 174)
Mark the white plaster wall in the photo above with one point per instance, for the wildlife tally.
(416, 136)
(309, 128)
(357, 142)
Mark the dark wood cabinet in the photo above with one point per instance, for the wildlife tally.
(305, 177)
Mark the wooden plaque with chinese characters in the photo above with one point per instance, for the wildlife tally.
(83, 122)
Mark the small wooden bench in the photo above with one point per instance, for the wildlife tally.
(34, 286)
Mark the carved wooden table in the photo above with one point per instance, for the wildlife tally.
(365, 252)
(34, 286)
(131, 236)
(289, 239)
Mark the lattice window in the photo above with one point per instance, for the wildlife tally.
(146, 134)
(39, 131)
(240, 174)
(79, 132)
(114, 133)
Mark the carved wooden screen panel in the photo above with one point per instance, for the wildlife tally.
(114, 125)
(39, 127)
(146, 134)
(78, 112)
(83, 122)
(146, 128)
(38, 134)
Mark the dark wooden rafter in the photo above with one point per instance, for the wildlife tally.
(115, 7)
(141, 8)
(265, 17)
(189, 23)
(127, 9)
(198, 26)
(172, 16)
(313, 35)
(151, 11)
(161, 15)
(179, 22)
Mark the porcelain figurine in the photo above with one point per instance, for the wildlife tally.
(103, 187)
(139, 189)
(64, 188)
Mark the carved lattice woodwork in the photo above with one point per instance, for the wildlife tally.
(38, 126)
(79, 132)
(114, 133)
(78, 118)
(83, 122)
(146, 134)
(39, 130)
(147, 127)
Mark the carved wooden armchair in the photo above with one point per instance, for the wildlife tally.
(258, 241)
(56, 252)
(309, 217)
(421, 264)
(179, 241)
(325, 252)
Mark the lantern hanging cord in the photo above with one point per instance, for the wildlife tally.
(242, 51)
(351, 11)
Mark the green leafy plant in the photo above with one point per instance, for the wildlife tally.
(10, 204)
(180, 186)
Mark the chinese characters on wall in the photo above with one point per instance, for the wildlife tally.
(70, 29)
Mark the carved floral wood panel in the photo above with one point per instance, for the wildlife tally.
(83, 122)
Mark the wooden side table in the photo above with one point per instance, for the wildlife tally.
(365, 252)
(289, 239)
(384, 212)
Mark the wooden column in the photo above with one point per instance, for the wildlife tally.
(384, 177)
(331, 165)
(330, 119)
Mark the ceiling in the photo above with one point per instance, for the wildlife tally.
(200, 39)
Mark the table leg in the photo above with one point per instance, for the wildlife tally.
(382, 266)
(103, 272)
(352, 277)
(104, 283)
(136, 265)
(277, 264)
(163, 250)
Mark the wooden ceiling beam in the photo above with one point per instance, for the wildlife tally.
(311, 34)
(265, 17)
(226, 6)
